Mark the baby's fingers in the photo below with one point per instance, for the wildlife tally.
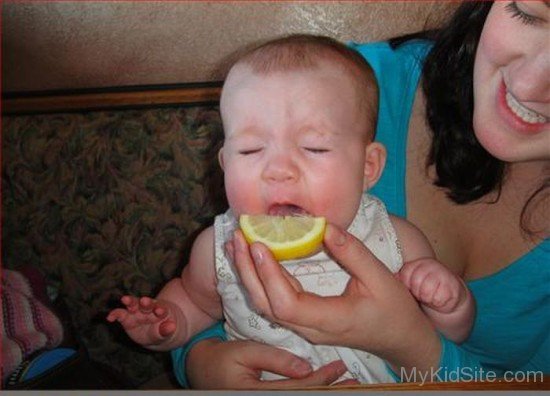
(146, 305)
(130, 302)
(167, 328)
(160, 312)
(118, 314)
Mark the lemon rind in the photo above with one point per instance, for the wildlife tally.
(283, 251)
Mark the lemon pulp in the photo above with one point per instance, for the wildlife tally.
(288, 237)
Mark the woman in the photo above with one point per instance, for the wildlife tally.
(468, 163)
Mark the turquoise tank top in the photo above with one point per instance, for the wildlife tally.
(512, 326)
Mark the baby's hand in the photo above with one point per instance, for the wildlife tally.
(147, 321)
(432, 284)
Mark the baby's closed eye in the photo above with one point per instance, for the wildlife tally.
(317, 150)
(249, 151)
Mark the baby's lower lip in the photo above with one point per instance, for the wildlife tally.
(286, 210)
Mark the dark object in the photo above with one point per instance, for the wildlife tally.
(75, 373)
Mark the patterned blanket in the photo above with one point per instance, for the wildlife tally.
(28, 325)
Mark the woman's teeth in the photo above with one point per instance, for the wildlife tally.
(524, 113)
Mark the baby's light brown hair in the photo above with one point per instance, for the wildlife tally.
(304, 51)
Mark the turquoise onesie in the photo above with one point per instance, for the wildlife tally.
(512, 327)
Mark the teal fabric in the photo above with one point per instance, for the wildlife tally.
(398, 72)
(512, 328)
(180, 354)
(513, 321)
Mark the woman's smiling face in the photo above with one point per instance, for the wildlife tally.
(512, 82)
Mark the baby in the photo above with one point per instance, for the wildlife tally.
(299, 115)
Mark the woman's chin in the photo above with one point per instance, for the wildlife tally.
(505, 146)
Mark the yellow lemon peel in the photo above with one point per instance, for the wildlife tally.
(288, 237)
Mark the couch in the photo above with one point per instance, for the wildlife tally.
(107, 203)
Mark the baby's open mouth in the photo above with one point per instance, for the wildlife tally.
(286, 210)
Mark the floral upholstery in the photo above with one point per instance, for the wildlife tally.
(107, 203)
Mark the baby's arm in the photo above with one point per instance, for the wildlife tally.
(184, 306)
(442, 294)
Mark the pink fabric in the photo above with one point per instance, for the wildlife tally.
(27, 324)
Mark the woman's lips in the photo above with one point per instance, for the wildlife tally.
(527, 115)
(521, 118)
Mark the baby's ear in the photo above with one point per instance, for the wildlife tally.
(375, 159)
(220, 158)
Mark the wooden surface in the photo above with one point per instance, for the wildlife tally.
(447, 386)
(109, 99)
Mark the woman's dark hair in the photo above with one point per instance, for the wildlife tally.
(463, 167)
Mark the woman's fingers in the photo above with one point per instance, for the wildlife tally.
(275, 360)
(212, 364)
(246, 260)
(290, 305)
(325, 375)
(284, 363)
(355, 258)
(247, 272)
(347, 382)
(279, 290)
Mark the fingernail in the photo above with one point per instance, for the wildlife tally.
(257, 254)
(239, 242)
(300, 367)
(337, 235)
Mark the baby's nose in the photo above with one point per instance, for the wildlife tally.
(281, 168)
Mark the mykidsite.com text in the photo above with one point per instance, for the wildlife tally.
(469, 374)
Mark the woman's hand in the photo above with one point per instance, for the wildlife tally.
(375, 313)
(214, 364)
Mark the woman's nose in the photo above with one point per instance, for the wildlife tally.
(280, 168)
(530, 81)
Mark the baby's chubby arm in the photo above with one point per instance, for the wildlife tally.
(185, 305)
(442, 294)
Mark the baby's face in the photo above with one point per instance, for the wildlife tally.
(294, 143)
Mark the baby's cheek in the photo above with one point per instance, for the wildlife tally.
(243, 200)
(338, 209)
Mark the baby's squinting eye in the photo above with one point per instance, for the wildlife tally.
(316, 150)
(250, 151)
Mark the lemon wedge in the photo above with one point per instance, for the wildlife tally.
(288, 237)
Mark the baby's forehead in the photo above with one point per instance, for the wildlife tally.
(244, 75)
(322, 61)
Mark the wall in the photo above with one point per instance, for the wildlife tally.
(63, 45)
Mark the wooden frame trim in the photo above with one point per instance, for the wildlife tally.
(498, 384)
(110, 98)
